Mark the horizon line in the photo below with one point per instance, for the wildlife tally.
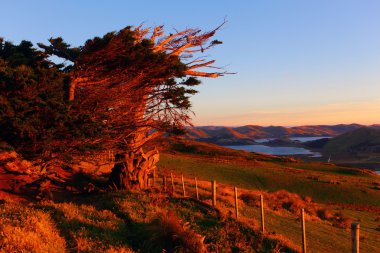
(365, 125)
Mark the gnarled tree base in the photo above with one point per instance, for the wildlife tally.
(131, 169)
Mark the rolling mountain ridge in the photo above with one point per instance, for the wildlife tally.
(245, 135)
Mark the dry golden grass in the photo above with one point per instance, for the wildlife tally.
(59, 227)
(169, 234)
(284, 242)
(88, 215)
(225, 203)
(23, 229)
(117, 222)
(280, 201)
(89, 229)
(85, 243)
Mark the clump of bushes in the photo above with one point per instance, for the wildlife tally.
(250, 199)
(338, 219)
(293, 203)
(184, 147)
(324, 214)
(167, 232)
(341, 221)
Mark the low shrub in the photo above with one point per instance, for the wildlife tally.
(324, 214)
(289, 201)
(167, 233)
(341, 221)
(250, 199)
(283, 200)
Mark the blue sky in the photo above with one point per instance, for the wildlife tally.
(297, 62)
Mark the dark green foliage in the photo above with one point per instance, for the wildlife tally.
(183, 147)
(176, 131)
(23, 54)
(31, 99)
(34, 115)
(61, 49)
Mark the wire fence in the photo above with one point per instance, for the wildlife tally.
(180, 186)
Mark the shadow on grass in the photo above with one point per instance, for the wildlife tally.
(75, 230)
(222, 233)
(128, 233)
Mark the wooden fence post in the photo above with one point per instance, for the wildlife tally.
(262, 213)
(164, 183)
(303, 230)
(154, 178)
(355, 232)
(213, 185)
(236, 204)
(196, 188)
(171, 176)
(183, 186)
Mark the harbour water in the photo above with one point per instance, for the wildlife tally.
(262, 148)
(300, 139)
(276, 150)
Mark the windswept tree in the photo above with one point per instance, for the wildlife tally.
(136, 82)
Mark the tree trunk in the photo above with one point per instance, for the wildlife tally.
(136, 165)
(132, 169)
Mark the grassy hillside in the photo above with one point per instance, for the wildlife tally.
(127, 222)
(323, 182)
(282, 217)
(352, 193)
(154, 219)
(358, 142)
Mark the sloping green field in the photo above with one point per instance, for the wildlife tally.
(323, 183)
(351, 192)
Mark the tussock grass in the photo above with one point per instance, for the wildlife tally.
(88, 229)
(24, 229)
(60, 227)
(169, 233)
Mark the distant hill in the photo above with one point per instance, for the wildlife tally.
(317, 144)
(246, 135)
(365, 140)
